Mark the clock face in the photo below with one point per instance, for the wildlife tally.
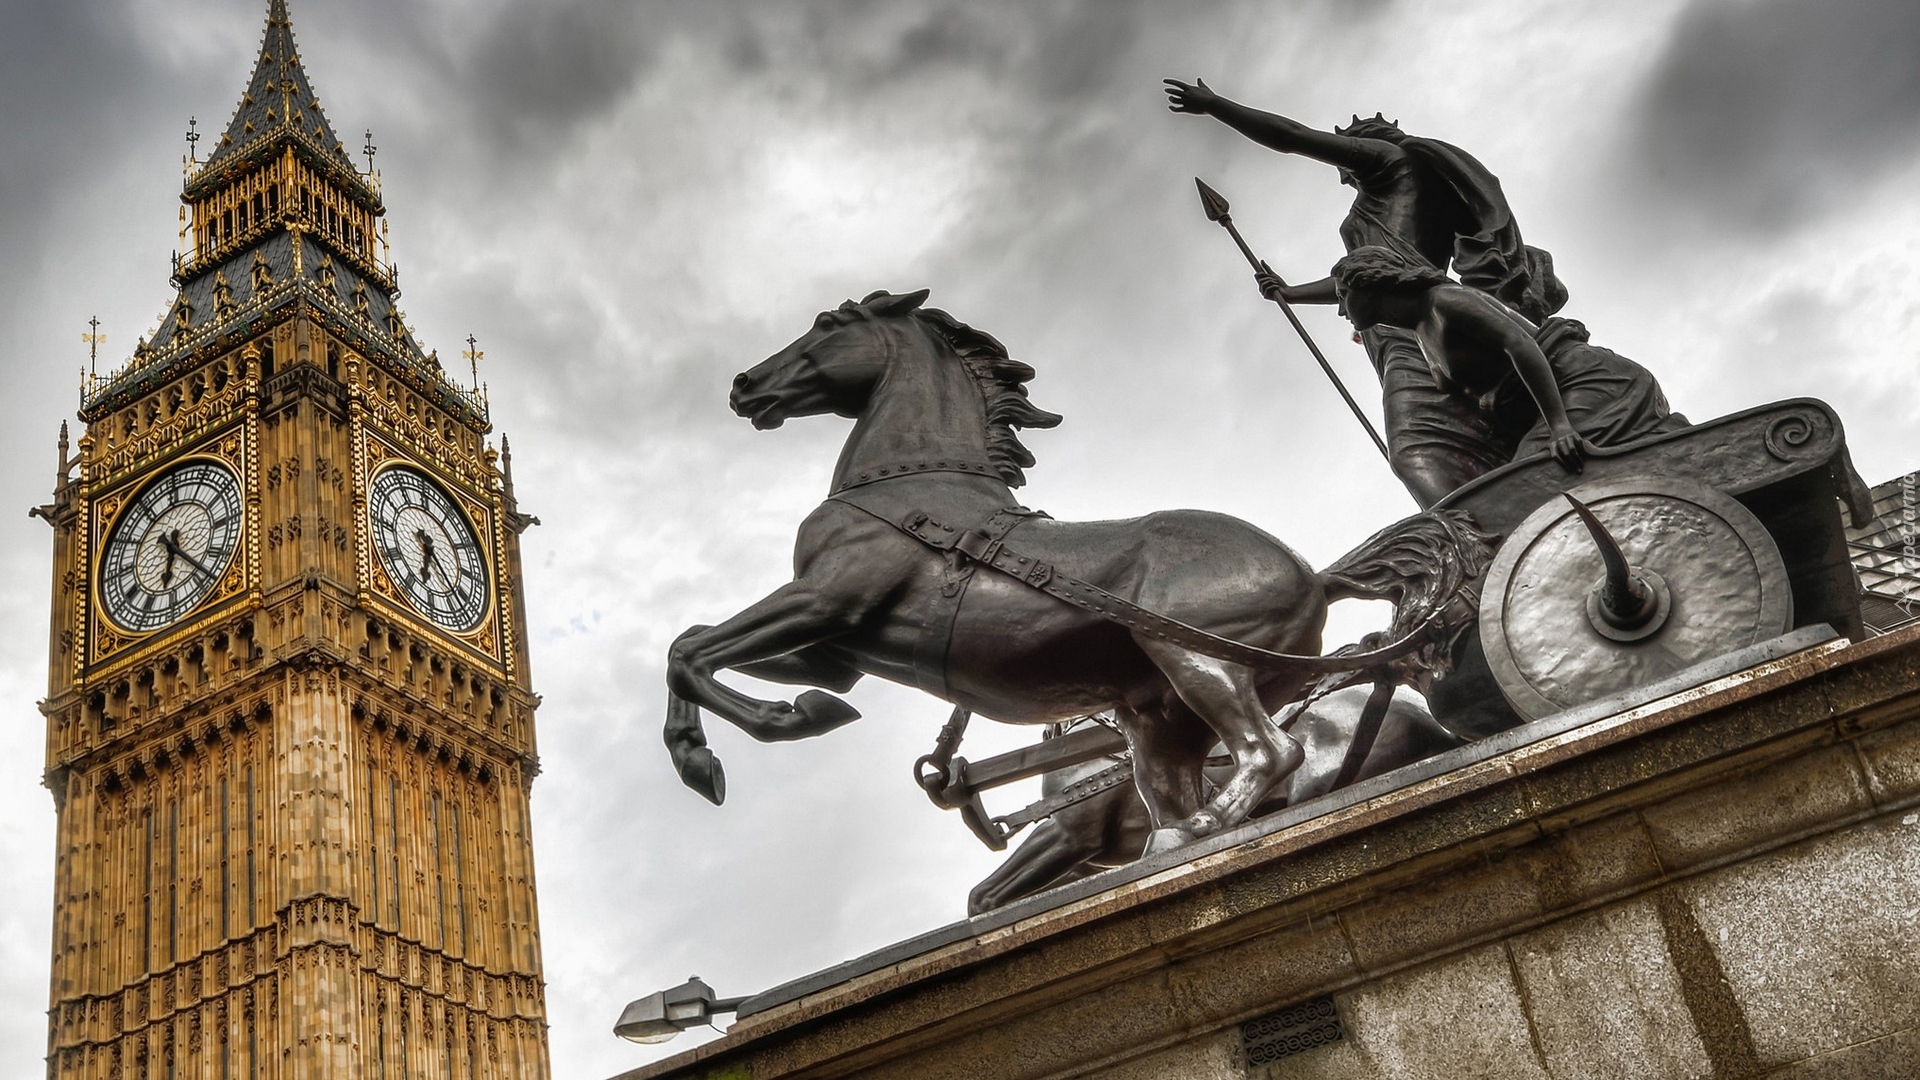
(171, 546)
(428, 548)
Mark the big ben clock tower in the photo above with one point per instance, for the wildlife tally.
(289, 722)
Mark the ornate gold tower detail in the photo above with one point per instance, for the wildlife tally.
(289, 723)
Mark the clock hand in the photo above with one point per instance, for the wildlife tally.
(428, 561)
(172, 544)
(166, 572)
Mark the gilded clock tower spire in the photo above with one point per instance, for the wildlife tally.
(289, 723)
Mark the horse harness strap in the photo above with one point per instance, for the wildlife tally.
(987, 547)
(948, 781)
(1113, 776)
(909, 468)
(930, 652)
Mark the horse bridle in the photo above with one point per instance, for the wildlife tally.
(909, 468)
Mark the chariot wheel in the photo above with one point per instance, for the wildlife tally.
(1622, 583)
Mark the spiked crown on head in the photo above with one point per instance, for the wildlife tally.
(1376, 126)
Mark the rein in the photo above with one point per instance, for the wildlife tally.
(982, 549)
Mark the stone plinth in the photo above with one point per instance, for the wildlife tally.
(1723, 882)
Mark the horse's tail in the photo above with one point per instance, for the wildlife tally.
(1428, 566)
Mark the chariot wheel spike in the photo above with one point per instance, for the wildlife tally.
(1716, 578)
(1626, 602)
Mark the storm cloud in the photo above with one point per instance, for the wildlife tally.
(1765, 113)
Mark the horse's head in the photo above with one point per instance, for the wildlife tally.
(831, 368)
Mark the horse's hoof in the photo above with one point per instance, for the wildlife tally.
(1205, 823)
(701, 771)
(823, 711)
(1167, 839)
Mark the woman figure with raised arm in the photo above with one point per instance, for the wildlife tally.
(1431, 202)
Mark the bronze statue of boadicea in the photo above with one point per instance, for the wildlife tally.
(1547, 383)
(1430, 201)
(921, 568)
(1562, 395)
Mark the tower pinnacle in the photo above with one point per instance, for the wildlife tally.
(278, 221)
(277, 96)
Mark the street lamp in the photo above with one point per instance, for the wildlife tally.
(665, 1013)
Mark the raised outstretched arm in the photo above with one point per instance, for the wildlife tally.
(1277, 132)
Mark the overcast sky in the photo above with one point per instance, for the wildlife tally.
(627, 203)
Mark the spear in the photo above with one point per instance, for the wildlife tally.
(1217, 210)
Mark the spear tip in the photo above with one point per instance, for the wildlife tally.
(1212, 201)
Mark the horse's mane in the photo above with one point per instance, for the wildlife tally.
(1417, 563)
(1423, 564)
(1002, 382)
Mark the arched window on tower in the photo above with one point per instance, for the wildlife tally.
(393, 849)
(252, 879)
(439, 870)
(373, 845)
(146, 897)
(380, 1039)
(226, 866)
(173, 879)
(459, 880)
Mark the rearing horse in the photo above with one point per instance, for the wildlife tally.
(936, 404)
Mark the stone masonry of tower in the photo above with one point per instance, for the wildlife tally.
(289, 719)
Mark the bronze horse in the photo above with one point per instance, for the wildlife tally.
(936, 404)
